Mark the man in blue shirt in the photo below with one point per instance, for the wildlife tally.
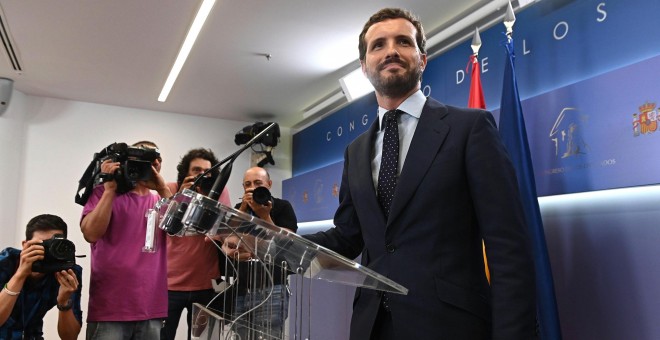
(27, 296)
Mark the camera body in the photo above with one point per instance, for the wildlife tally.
(261, 195)
(135, 164)
(205, 183)
(59, 254)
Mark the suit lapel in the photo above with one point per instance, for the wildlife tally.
(364, 181)
(363, 162)
(430, 133)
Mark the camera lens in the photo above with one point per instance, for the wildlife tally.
(261, 195)
(62, 249)
(205, 184)
(137, 170)
(59, 255)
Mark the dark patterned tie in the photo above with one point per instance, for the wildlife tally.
(389, 161)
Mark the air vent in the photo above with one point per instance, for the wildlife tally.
(8, 43)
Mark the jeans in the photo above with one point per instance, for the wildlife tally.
(267, 320)
(177, 301)
(124, 330)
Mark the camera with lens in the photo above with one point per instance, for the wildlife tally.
(135, 164)
(205, 183)
(261, 195)
(59, 254)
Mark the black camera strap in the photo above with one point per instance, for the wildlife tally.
(86, 182)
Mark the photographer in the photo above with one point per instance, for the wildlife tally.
(27, 295)
(277, 212)
(192, 262)
(128, 287)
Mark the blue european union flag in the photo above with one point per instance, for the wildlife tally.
(514, 135)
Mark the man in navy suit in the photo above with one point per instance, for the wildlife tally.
(454, 186)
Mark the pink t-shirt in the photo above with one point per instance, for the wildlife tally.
(192, 261)
(126, 283)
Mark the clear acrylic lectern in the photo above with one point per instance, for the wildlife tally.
(189, 213)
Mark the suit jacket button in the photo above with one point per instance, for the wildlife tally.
(390, 248)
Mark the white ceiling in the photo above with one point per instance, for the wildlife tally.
(120, 52)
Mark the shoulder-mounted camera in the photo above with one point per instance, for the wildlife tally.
(247, 133)
(135, 165)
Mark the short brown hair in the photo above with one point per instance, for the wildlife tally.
(184, 165)
(45, 222)
(392, 13)
(144, 143)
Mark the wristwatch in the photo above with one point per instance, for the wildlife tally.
(66, 307)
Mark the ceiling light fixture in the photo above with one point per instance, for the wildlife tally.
(188, 43)
(355, 85)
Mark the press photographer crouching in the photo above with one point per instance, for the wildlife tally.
(40, 276)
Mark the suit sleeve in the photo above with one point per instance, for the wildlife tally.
(494, 188)
(346, 237)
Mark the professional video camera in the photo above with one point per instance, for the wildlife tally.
(269, 139)
(135, 165)
(59, 254)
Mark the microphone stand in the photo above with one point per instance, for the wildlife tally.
(223, 178)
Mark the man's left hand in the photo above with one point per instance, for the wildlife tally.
(236, 248)
(68, 284)
(157, 182)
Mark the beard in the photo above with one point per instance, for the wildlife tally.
(395, 85)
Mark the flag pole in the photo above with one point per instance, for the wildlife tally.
(476, 42)
(509, 20)
(476, 98)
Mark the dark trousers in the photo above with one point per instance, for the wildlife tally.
(383, 327)
(178, 301)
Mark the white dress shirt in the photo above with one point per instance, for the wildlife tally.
(412, 108)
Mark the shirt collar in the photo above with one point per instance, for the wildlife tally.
(413, 106)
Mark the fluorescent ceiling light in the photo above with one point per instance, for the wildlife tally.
(196, 27)
(355, 85)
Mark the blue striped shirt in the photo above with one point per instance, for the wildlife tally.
(35, 300)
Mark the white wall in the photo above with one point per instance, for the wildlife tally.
(46, 144)
(12, 140)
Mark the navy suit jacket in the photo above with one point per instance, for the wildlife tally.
(456, 187)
